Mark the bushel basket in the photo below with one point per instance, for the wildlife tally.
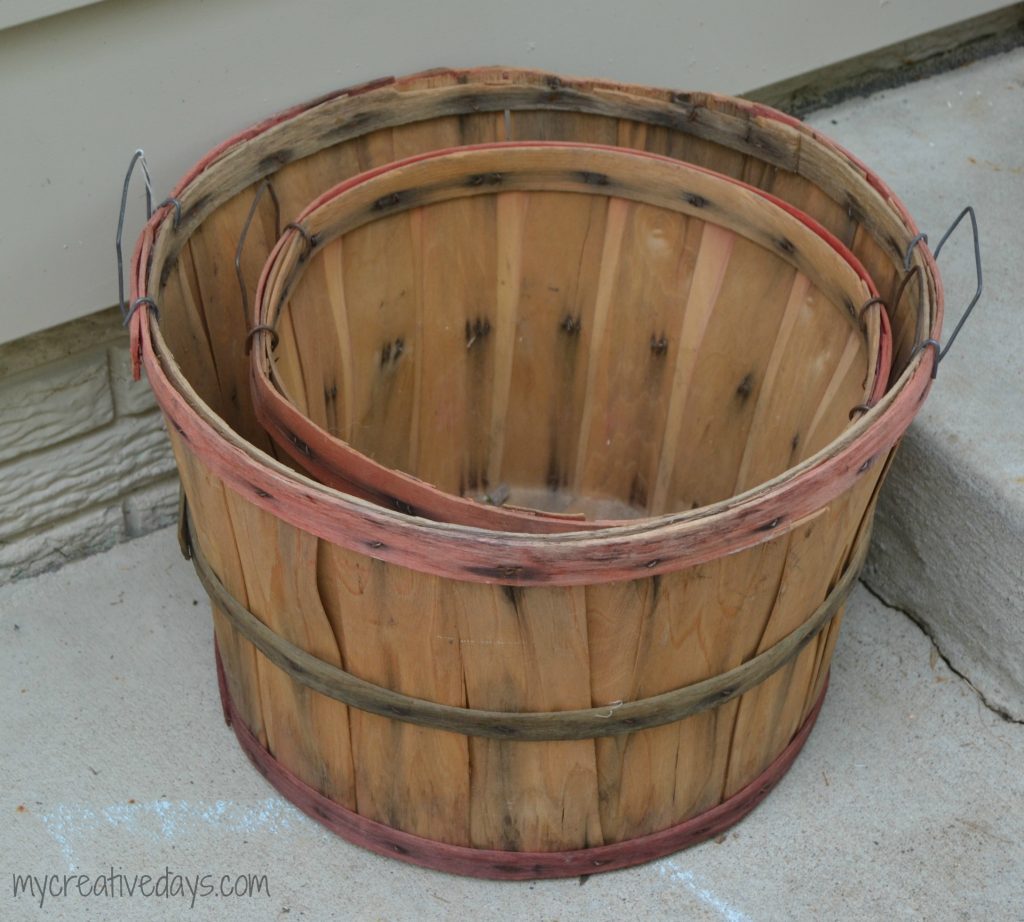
(501, 703)
(557, 337)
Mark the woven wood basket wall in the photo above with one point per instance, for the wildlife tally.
(509, 704)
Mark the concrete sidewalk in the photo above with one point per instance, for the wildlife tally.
(907, 803)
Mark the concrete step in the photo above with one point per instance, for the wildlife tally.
(949, 538)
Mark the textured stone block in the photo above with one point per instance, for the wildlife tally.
(94, 470)
(79, 536)
(130, 397)
(151, 508)
(58, 401)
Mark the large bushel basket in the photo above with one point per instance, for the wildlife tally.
(506, 704)
(619, 304)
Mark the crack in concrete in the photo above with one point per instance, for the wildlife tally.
(1002, 713)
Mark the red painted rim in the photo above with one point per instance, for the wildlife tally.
(505, 865)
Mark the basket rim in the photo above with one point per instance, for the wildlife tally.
(473, 554)
(341, 464)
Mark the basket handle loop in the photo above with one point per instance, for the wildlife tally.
(138, 159)
(264, 186)
(939, 349)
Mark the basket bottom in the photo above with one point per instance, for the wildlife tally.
(506, 865)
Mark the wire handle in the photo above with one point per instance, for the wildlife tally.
(264, 186)
(940, 350)
(138, 158)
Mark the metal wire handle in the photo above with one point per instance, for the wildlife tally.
(940, 350)
(138, 158)
(264, 186)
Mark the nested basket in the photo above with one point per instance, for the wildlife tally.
(676, 336)
(500, 703)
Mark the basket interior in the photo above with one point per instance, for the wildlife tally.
(573, 353)
(205, 319)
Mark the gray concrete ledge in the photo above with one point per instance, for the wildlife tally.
(950, 531)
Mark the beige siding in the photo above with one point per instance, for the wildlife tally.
(79, 91)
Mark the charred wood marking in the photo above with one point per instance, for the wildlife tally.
(400, 505)
(485, 179)
(786, 245)
(387, 201)
(638, 493)
(273, 162)
(571, 325)
(477, 329)
(554, 472)
(300, 446)
(513, 595)
(504, 572)
(389, 353)
(659, 344)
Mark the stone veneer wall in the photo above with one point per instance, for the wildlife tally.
(84, 459)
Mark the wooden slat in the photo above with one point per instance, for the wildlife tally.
(562, 243)
(381, 311)
(527, 650)
(712, 264)
(677, 629)
(405, 776)
(791, 390)
(726, 379)
(508, 234)
(767, 717)
(214, 532)
(213, 252)
(189, 337)
(304, 729)
(632, 373)
(456, 335)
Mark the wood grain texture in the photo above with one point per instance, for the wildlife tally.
(562, 254)
(406, 776)
(456, 342)
(503, 865)
(213, 530)
(526, 650)
(613, 718)
(304, 729)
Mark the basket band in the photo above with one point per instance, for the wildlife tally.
(587, 723)
(496, 864)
